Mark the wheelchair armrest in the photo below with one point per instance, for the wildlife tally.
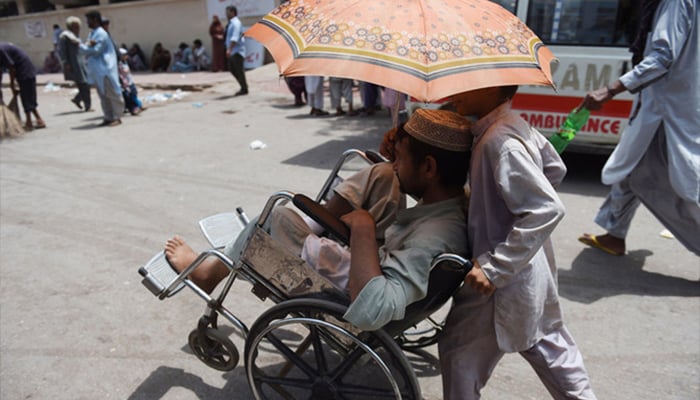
(446, 276)
(318, 213)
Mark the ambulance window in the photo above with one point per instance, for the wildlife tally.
(507, 4)
(584, 22)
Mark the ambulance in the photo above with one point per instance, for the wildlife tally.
(590, 38)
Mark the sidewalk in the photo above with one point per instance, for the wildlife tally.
(192, 81)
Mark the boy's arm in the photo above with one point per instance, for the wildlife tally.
(536, 208)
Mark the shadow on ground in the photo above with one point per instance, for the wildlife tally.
(595, 275)
(165, 378)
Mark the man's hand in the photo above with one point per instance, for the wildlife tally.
(595, 99)
(478, 280)
(358, 220)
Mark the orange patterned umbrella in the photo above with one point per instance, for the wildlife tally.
(429, 49)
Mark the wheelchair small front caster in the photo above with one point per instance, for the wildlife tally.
(215, 350)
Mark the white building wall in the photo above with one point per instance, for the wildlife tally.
(144, 22)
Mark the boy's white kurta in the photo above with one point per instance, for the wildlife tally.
(512, 212)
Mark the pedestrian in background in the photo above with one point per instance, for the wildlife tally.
(74, 64)
(129, 92)
(102, 69)
(183, 59)
(55, 35)
(235, 50)
(314, 93)
(218, 46)
(657, 161)
(21, 69)
(341, 88)
(160, 58)
(297, 86)
(201, 59)
(371, 98)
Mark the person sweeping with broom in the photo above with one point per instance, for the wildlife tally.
(21, 69)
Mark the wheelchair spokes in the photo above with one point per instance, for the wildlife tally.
(315, 358)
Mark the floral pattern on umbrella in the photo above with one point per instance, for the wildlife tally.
(421, 40)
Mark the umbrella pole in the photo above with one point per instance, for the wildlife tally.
(395, 110)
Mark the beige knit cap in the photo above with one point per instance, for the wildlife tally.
(72, 20)
(440, 128)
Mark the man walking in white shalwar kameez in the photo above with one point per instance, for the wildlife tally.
(657, 161)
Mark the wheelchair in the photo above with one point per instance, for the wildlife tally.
(301, 347)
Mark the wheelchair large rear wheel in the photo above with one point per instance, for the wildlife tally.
(303, 349)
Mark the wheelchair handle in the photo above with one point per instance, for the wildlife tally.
(318, 213)
(375, 157)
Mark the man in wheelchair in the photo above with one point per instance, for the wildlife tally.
(386, 267)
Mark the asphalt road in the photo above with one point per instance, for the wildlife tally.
(81, 208)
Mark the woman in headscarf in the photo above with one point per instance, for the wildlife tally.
(218, 51)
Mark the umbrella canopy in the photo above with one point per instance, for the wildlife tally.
(429, 49)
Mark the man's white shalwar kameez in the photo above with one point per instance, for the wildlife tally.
(102, 72)
(658, 158)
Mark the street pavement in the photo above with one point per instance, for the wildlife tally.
(82, 207)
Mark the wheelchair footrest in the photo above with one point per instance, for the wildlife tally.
(158, 274)
(220, 229)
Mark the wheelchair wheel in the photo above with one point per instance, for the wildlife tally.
(216, 349)
(303, 349)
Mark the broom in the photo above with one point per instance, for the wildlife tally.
(10, 123)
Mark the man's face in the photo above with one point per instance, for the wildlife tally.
(75, 28)
(406, 170)
(92, 22)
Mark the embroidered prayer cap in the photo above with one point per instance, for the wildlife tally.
(440, 128)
